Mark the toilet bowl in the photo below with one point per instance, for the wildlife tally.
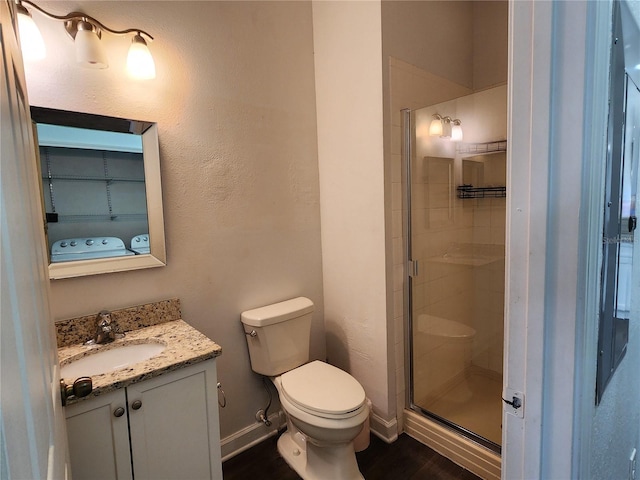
(326, 410)
(323, 401)
(325, 407)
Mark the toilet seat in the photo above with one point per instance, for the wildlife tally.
(323, 390)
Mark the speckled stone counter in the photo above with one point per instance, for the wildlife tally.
(184, 346)
(80, 329)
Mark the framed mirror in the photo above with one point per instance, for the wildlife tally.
(101, 192)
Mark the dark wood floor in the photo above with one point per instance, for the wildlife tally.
(405, 459)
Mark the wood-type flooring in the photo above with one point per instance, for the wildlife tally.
(404, 459)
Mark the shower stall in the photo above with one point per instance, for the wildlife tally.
(454, 213)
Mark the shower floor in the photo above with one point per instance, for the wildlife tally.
(475, 405)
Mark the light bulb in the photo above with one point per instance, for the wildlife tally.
(140, 63)
(31, 42)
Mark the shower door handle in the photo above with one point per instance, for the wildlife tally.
(413, 268)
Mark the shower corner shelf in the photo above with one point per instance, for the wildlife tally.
(480, 148)
(469, 191)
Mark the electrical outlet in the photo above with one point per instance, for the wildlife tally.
(632, 465)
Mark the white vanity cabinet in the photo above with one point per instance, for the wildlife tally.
(98, 434)
(169, 428)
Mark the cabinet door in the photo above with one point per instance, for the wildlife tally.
(99, 440)
(175, 427)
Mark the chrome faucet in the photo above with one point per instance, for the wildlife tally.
(104, 331)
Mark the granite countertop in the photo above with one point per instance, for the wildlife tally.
(184, 346)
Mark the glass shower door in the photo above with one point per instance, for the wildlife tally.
(456, 209)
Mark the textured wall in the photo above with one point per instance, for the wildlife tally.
(347, 40)
(235, 106)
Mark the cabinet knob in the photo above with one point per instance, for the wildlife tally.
(118, 412)
(136, 404)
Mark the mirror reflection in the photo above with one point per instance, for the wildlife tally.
(101, 192)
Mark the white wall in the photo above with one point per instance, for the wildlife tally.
(462, 41)
(235, 105)
(435, 36)
(490, 42)
(348, 62)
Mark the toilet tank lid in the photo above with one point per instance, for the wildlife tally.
(278, 312)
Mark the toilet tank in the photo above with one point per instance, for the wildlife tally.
(282, 335)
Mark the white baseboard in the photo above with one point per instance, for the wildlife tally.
(248, 437)
(475, 458)
(386, 430)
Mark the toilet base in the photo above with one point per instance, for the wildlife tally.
(319, 463)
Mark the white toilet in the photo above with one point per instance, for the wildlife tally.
(325, 407)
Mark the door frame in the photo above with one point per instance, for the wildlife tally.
(558, 72)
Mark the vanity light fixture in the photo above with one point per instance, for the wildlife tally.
(446, 127)
(86, 32)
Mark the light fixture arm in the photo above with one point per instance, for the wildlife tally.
(79, 16)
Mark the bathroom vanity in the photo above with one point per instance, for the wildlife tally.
(153, 419)
(165, 427)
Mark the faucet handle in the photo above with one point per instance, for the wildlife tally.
(104, 331)
(103, 318)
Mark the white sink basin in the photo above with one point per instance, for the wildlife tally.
(106, 361)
